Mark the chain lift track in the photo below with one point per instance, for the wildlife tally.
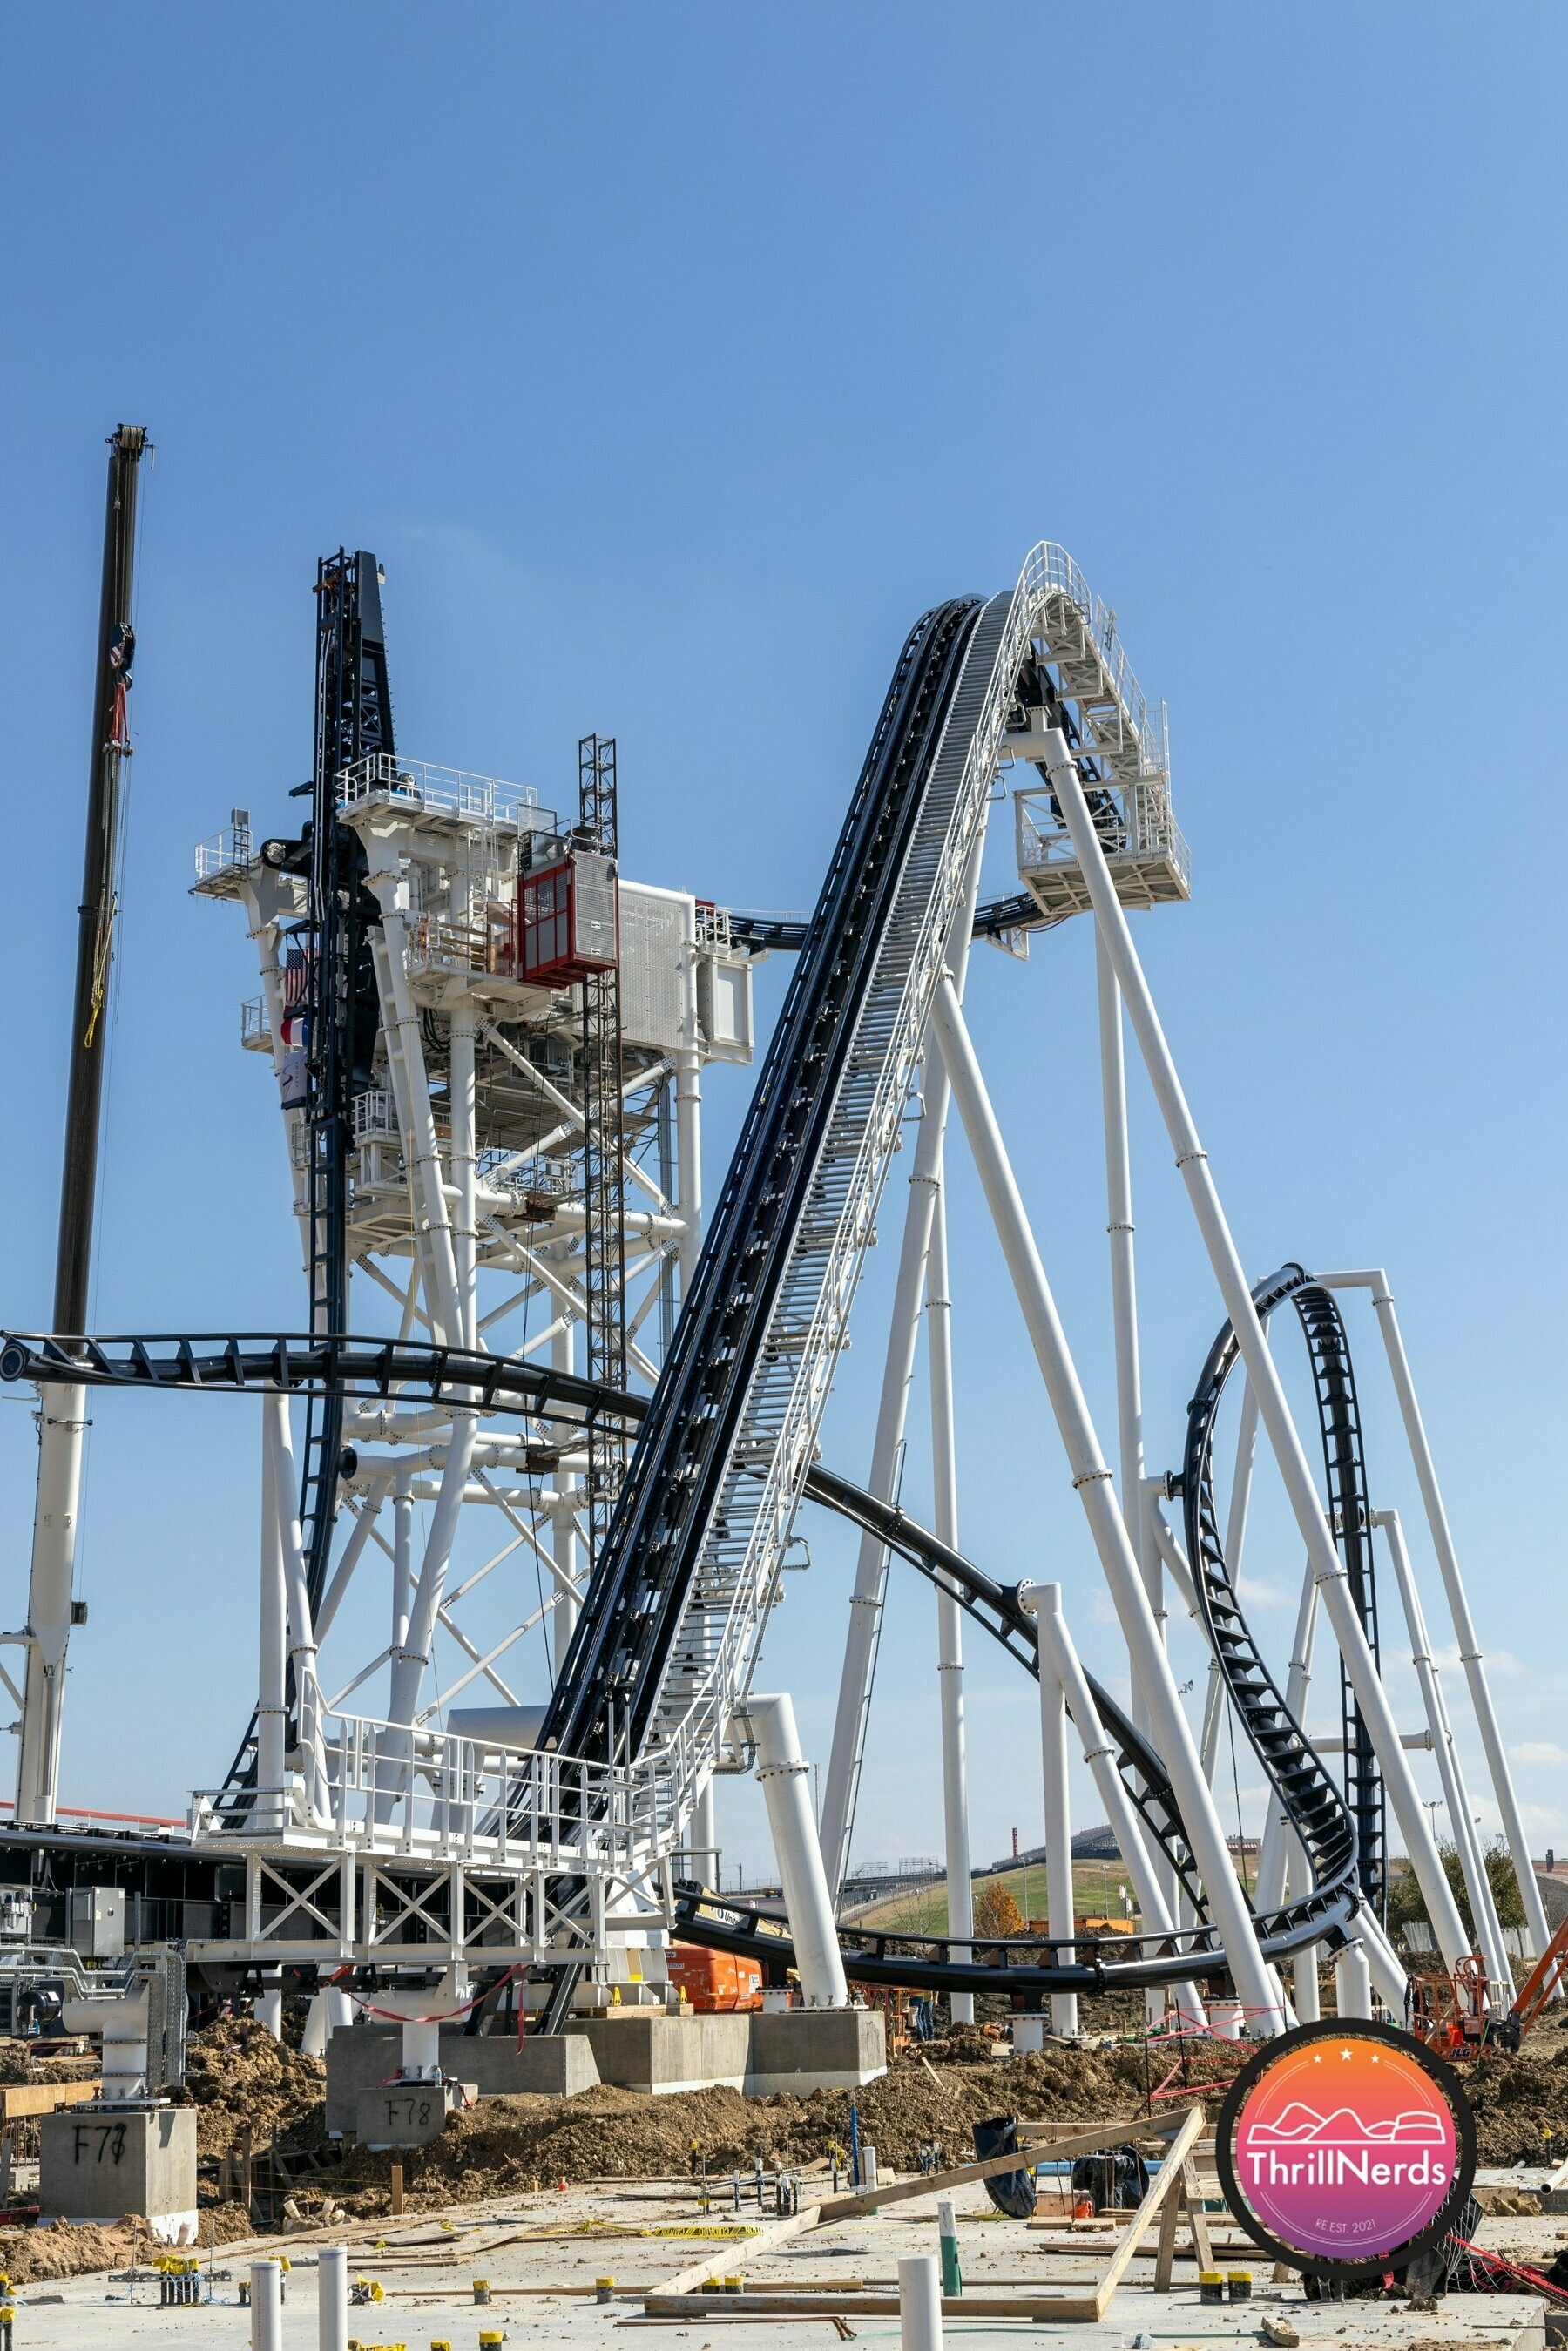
(363, 1369)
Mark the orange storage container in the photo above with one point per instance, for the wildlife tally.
(714, 1982)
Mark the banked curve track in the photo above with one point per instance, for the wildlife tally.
(371, 1369)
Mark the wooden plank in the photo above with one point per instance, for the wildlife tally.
(1165, 2256)
(1072, 2307)
(19, 2098)
(933, 2183)
(753, 2249)
(1197, 2219)
(1167, 2181)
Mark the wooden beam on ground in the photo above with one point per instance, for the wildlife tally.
(696, 2274)
(934, 2183)
(1061, 2306)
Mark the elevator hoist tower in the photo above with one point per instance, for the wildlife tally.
(487, 1047)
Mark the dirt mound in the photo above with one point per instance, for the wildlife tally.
(512, 2145)
(1520, 2104)
(236, 2073)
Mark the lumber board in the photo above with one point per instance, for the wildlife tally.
(778, 2232)
(867, 2306)
(20, 2098)
(934, 2183)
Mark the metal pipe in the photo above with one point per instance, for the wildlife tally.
(688, 1128)
(1091, 1482)
(1058, 1902)
(844, 1755)
(409, 1665)
(1274, 1847)
(1353, 1980)
(919, 2303)
(1455, 1796)
(1470, 1657)
(1192, 1162)
(786, 1789)
(564, 1542)
(301, 1632)
(950, 1615)
(1124, 1291)
(332, 2299)
(1055, 1641)
(266, 2305)
(465, 1168)
(272, 1667)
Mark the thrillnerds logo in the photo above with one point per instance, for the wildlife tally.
(1346, 2148)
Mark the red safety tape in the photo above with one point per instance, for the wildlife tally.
(447, 2016)
(1512, 2269)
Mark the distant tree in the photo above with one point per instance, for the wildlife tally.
(1406, 1902)
(996, 1912)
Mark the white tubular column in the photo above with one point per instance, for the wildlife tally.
(688, 1131)
(273, 1665)
(1353, 1980)
(1455, 1796)
(266, 2305)
(1470, 1657)
(1091, 1481)
(1058, 1904)
(332, 2299)
(1124, 1291)
(786, 1789)
(408, 1666)
(465, 1171)
(301, 1632)
(1056, 1641)
(563, 1511)
(704, 1836)
(1192, 1162)
(1278, 1837)
(62, 1423)
(949, 1616)
(898, 1370)
(400, 1013)
(402, 1555)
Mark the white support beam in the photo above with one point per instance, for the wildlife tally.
(1091, 1482)
(1192, 1163)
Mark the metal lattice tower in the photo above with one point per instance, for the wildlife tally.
(604, 1146)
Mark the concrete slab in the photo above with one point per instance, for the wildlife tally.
(799, 2049)
(100, 2163)
(362, 2057)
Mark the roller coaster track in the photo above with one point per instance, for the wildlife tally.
(361, 1370)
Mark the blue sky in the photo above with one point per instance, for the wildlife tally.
(671, 361)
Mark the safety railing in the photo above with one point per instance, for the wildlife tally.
(375, 1117)
(255, 1025)
(436, 945)
(233, 850)
(393, 1788)
(1051, 571)
(417, 784)
(1149, 830)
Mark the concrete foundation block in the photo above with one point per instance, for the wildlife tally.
(808, 2049)
(99, 2163)
(361, 2057)
(406, 2114)
(643, 2049)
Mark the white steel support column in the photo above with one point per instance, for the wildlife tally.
(564, 1546)
(1091, 1482)
(272, 1666)
(703, 1836)
(1056, 1643)
(688, 1133)
(465, 1170)
(399, 1017)
(402, 1555)
(950, 1615)
(1058, 1902)
(1470, 1657)
(786, 1791)
(1192, 1162)
(62, 1426)
(1124, 1293)
(898, 1371)
(1278, 1838)
(302, 1635)
(1455, 1796)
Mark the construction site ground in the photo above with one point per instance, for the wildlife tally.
(541, 2196)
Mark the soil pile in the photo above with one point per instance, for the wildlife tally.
(1520, 2104)
(237, 2075)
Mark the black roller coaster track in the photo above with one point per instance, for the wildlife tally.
(361, 1369)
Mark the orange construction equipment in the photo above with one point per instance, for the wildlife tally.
(1449, 2012)
(716, 1984)
(1545, 1978)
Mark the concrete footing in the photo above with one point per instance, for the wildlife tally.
(362, 2057)
(801, 2051)
(407, 2113)
(99, 2163)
